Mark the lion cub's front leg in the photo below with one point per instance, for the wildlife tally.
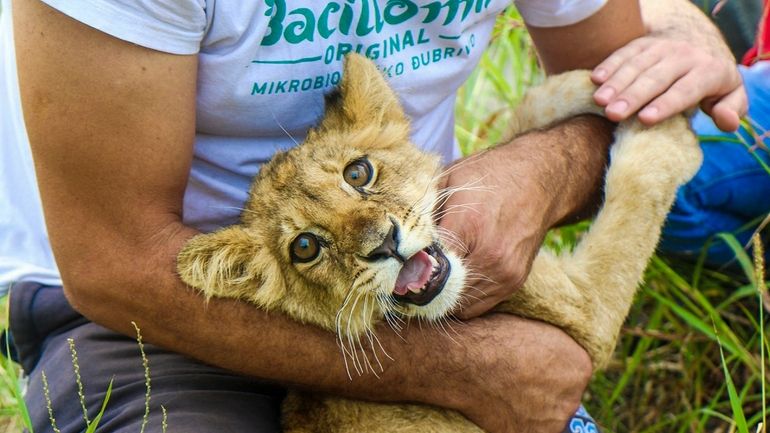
(589, 292)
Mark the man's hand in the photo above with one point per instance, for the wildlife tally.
(508, 197)
(499, 226)
(682, 62)
(663, 76)
(522, 375)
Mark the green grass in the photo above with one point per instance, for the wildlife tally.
(692, 354)
(13, 412)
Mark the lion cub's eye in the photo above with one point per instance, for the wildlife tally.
(358, 173)
(305, 248)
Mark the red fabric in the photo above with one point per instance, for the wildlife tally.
(761, 48)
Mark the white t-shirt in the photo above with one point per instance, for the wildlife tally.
(264, 67)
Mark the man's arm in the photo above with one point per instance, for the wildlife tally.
(585, 44)
(111, 126)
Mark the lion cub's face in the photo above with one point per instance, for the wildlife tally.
(338, 231)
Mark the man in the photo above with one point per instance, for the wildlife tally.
(146, 121)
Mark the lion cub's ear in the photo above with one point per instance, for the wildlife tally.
(363, 97)
(230, 263)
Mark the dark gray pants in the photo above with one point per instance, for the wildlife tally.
(197, 397)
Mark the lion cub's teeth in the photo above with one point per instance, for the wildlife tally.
(434, 266)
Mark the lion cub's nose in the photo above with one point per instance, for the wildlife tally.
(389, 246)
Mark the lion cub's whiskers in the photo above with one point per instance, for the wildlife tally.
(239, 209)
(450, 238)
(473, 184)
(438, 324)
(353, 339)
(338, 326)
(365, 368)
(350, 340)
(368, 333)
(456, 208)
(385, 352)
(463, 162)
(443, 195)
(372, 336)
(465, 296)
(390, 311)
(479, 276)
(277, 122)
(390, 320)
(452, 318)
(351, 335)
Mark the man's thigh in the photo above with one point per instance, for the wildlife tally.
(196, 397)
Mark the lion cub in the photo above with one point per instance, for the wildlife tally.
(338, 232)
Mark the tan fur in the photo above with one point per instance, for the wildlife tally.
(587, 292)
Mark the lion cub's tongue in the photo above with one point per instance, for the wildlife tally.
(414, 274)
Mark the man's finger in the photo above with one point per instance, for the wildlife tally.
(625, 76)
(728, 110)
(679, 97)
(655, 81)
(610, 65)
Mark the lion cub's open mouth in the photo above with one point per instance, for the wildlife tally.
(422, 277)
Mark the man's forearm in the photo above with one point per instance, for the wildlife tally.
(580, 45)
(563, 165)
(680, 19)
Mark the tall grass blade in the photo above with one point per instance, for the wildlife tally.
(147, 381)
(95, 423)
(14, 387)
(11, 377)
(701, 326)
(741, 255)
(735, 401)
(48, 402)
(78, 379)
(759, 269)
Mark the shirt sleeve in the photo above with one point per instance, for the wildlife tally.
(557, 13)
(172, 26)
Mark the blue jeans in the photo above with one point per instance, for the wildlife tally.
(731, 190)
